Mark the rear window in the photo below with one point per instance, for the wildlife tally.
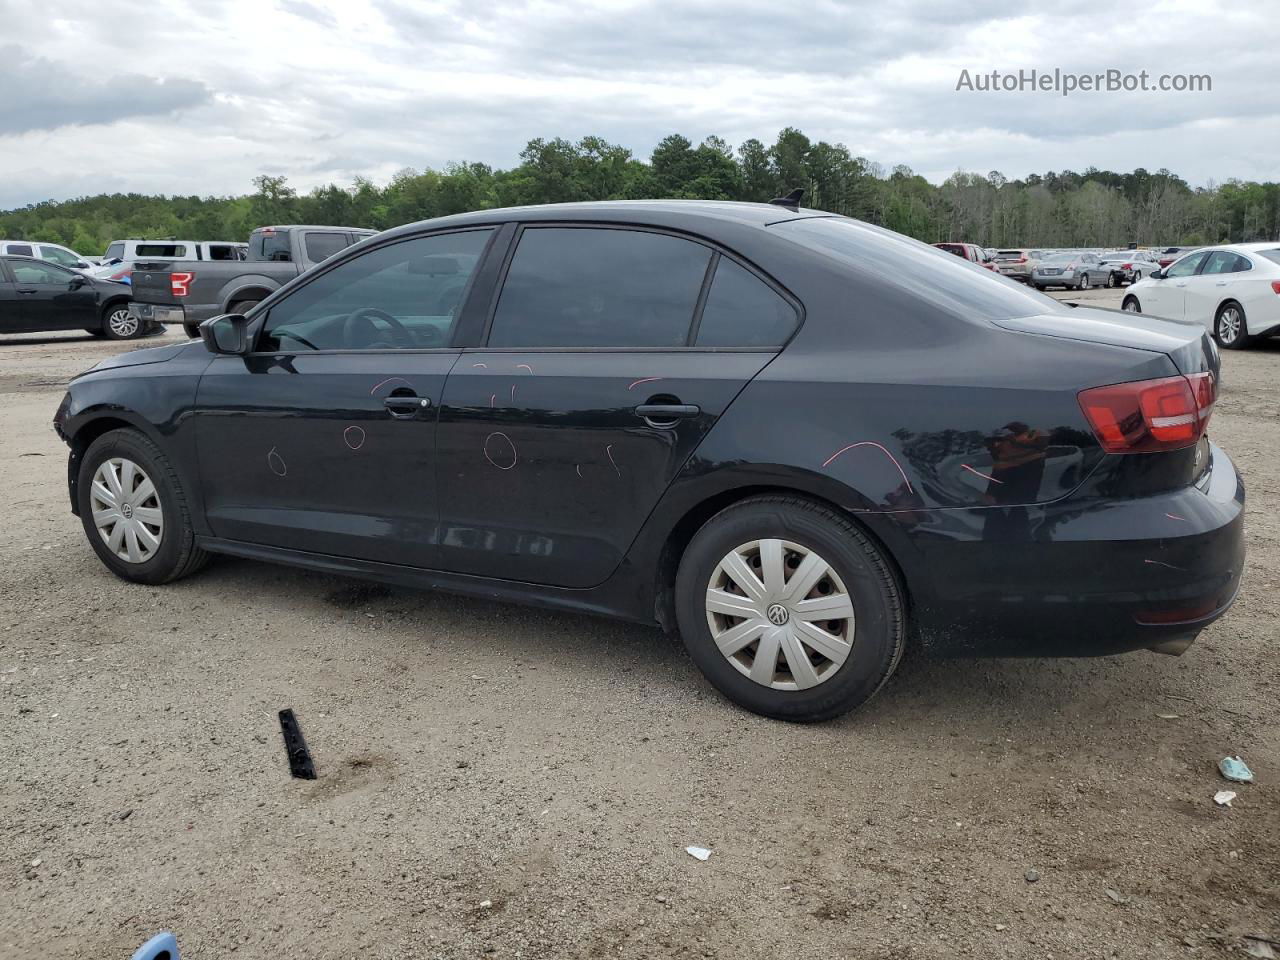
(1273, 255)
(224, 251)
(21, 250)
(950, 285)
(114, 252)
(270, 246)
(177, 251)
(1009, 254)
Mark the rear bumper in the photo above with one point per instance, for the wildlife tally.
(157, 313)
(1082, 578)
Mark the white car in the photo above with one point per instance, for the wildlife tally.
(52, 252)
(1234, 290)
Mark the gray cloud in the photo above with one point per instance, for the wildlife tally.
(308, 11)
(42, 95)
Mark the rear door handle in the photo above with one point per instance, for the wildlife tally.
(1220, 283)
(406, 408)
(28, 291)
(665, 413)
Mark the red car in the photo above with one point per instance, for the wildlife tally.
(969, 251)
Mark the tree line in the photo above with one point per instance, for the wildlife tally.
(1057, 209)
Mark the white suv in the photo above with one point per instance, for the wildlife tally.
(129, 251)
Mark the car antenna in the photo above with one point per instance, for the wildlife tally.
(791, 201)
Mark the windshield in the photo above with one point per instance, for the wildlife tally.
(1061, 258)
(953, 284)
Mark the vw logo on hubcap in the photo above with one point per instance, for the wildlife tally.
(777, 614)
(126, 509)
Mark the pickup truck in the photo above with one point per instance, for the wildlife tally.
(189, 292)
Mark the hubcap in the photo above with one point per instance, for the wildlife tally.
(126, 510)
(780, 614)
(1229, 325)
(1130, 306)
(122, 323)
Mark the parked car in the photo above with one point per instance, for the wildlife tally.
(693, 414)
(1016, 264)
(969, 251)
(187, 293)
(1232, 290)
(1070, 270)
(52, 252)
(1170, 254)
(1128, 266)
(37, 295)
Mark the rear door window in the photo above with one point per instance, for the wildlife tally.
(21, 250)
(1224, 261)
(597, 287)
(322, 246)
(270, 246)
(743, 311)
(57, 255)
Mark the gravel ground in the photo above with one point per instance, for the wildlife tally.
(500, 782)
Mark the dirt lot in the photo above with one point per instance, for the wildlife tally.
(499, 782)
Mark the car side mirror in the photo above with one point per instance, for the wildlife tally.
(75, 283)
(1156, 274)
(227, 334)
(81, 265)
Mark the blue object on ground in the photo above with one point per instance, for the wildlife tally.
(1233, 768)
(163, 946)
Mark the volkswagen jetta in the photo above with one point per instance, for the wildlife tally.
(745, 422)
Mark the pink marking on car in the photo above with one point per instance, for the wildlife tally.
(871, 443)
(645, 380)
(609, 451)
(515, 457)
(383, 383)
(984, 476)
(525, 366)
(1174, 516)
(1161, 563)
(484, 365)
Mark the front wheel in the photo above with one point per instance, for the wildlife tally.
(119, 324)
(1131, 305)
(789, 609)
(1137, 275)
(192, 330)
(134, 510)
(1230, 327)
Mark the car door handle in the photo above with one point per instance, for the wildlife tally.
(28, 291)
(1220, 283)
(406, 408)
(1183, 284)
(665, 413)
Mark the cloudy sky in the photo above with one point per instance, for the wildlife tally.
(198, 97)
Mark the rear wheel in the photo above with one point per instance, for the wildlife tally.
(1131, 305)
(192, 330)
(119, 324)
(242, 306)
(1112, 282)
(1084, 281)
(134, 510)
(789, 610)
(1230, 327)
(1137, 275)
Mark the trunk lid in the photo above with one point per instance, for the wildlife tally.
(151, 280)
(1186, 343)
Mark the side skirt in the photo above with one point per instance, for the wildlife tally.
(597, 601)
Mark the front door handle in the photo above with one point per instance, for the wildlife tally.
(406, 408)
(28, 291)
(666, 414)
(1220, 283)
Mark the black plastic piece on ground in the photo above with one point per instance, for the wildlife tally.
(300, 764)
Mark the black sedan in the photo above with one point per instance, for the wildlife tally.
(36, 295)
(744, 422)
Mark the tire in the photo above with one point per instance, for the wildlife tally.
(1131, 305)
(176, 554)
(1084, 281)
(118, 324)
(1231, 334)
(1112, 282)
(853, 567)
(242, 306)
(95, 332)
(1137, 275)
(192, 330)
(1040, 286)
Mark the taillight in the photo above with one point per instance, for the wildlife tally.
(180, 283)
(1126, 266)
(1275, 286)
(1021, 260)
(1149, 416)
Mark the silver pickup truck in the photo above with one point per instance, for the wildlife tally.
(191, 291)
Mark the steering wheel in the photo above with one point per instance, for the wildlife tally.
(358, 329)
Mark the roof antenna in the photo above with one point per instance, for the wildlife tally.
(791, 201)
